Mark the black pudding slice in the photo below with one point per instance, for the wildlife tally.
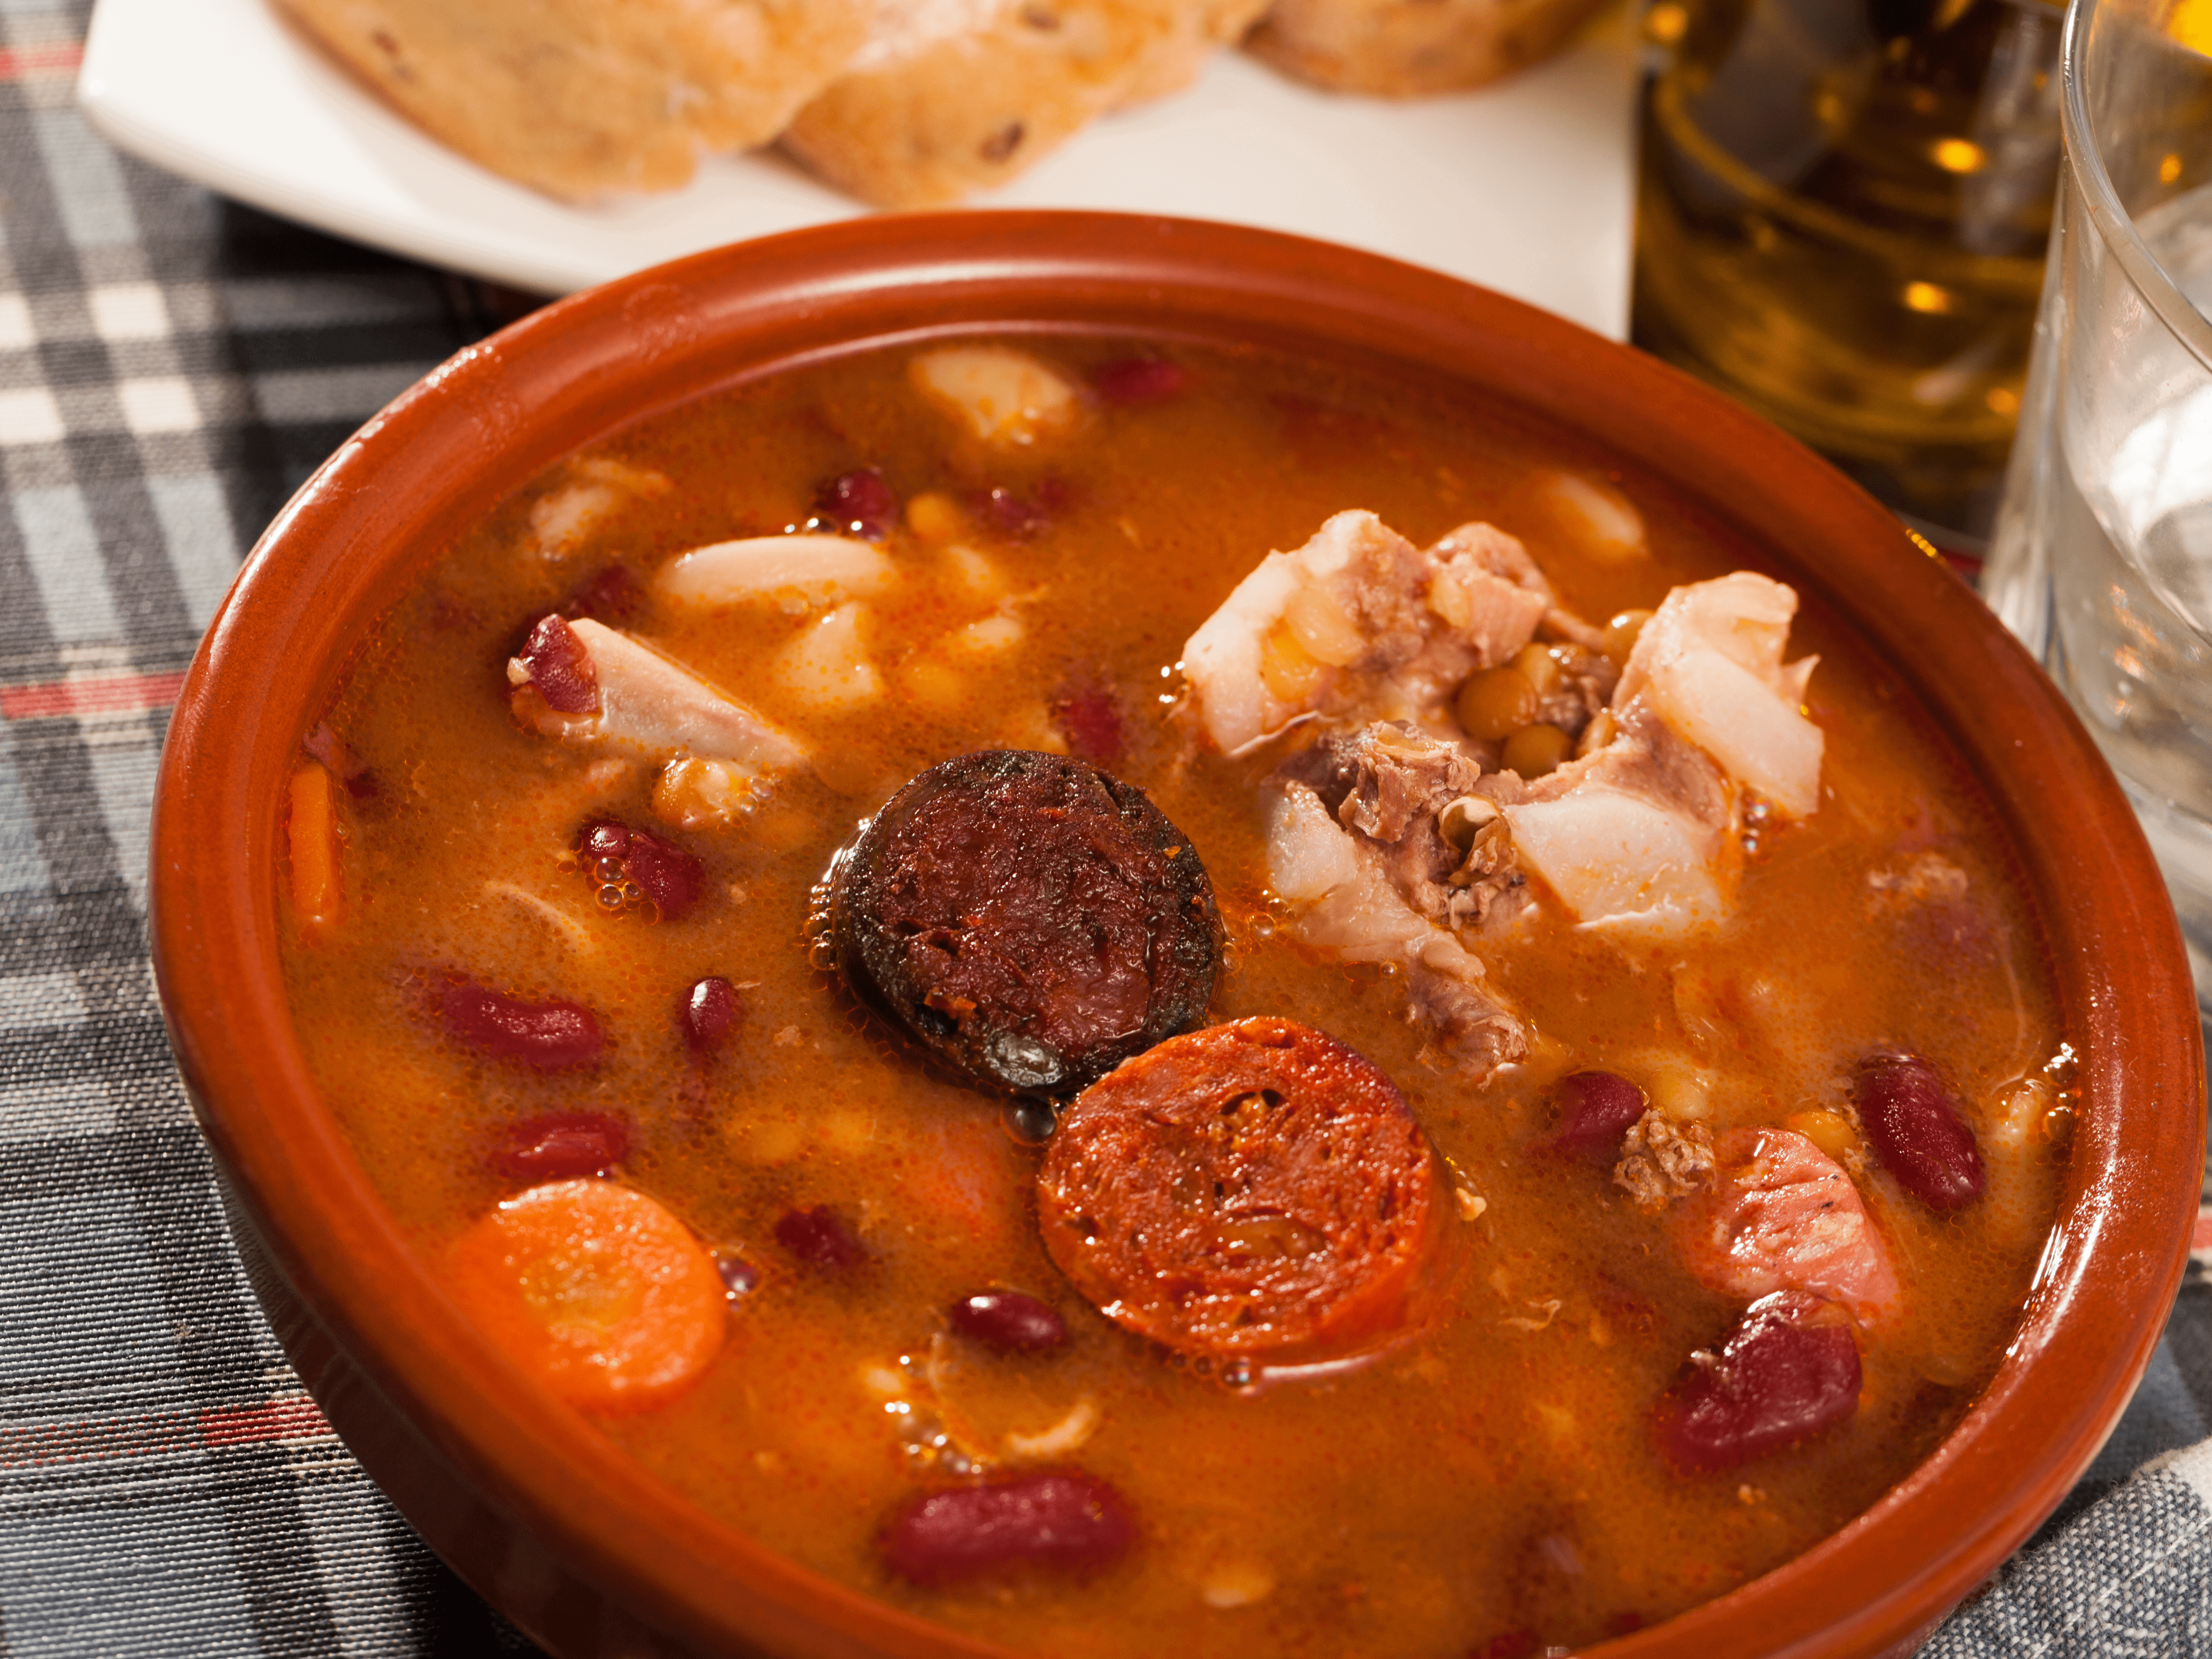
(1032, 919)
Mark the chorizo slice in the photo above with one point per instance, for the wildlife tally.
(1032, 919)
(1780, 1214)
(1254, 1188)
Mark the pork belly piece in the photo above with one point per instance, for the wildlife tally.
(1360, 624)
(1709, 664)
(1636, 833)
(1340, 884)
(1631, 836)
(583, 682)
(1780, 1214)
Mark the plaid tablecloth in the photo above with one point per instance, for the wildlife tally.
(172, 366)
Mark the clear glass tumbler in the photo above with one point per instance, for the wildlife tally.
(2101, 560)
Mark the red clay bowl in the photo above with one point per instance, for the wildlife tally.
(563, 1531)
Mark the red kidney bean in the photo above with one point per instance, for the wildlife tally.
(1520, 1643)
(1007, 1319)
(1138, 379)
(1069, 1522)
(561, 1146)
(560, 667)
(1595, 1109)
(1018, 516)
(858, 503)
(1784, 1374)
(554, 1035)
(819, 1239)
(1090, 720)
(710, 1014)
(663, 871)
(1916, 1131)
(614, 594)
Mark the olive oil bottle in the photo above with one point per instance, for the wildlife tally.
(1842, 215)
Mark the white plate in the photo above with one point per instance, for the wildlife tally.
(1526, 187)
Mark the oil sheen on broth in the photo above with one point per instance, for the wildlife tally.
(1489, 1475)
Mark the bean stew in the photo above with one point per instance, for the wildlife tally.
(1129, 994)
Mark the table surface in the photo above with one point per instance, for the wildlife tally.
(172, 365)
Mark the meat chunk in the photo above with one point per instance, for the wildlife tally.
(1256, 1188)
(1780, 1214)
(640, 701)
(1633, 834)
(1406, 797)
(1360, 623)
(1032, 919)
(1489, 596)
(1629, 836)
(1709, 664)
(1341, 888)
(1660, 1163)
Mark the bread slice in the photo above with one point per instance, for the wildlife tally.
(1201, 28)
(953, 96)
(1402, 48)
(581, 97)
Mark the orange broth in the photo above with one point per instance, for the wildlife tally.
(1489, 1478)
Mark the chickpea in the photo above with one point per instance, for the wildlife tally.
(1536, 749)
(932, 517)
(1538, 664)
(1495, 703)
(1831, 1132)
(1620, 634)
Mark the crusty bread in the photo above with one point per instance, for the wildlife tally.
(953, 96)
(581, 97)
(1200, 28)
(1401, 48)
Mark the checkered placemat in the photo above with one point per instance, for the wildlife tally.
(172, 366)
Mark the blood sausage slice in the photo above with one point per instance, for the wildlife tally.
(1031, 919)
(1254, 1188)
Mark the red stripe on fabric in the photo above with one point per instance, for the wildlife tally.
(2201, 1239)
(93, 1440)
(21, 62)
(109, 693)
(299, 1419)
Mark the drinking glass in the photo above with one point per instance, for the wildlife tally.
(2101, 558)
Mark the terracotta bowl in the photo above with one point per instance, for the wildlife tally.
(557, 1526)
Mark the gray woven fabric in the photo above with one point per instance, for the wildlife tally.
(170, 368)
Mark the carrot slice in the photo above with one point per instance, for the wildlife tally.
(596, 1289)
(312, 837)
